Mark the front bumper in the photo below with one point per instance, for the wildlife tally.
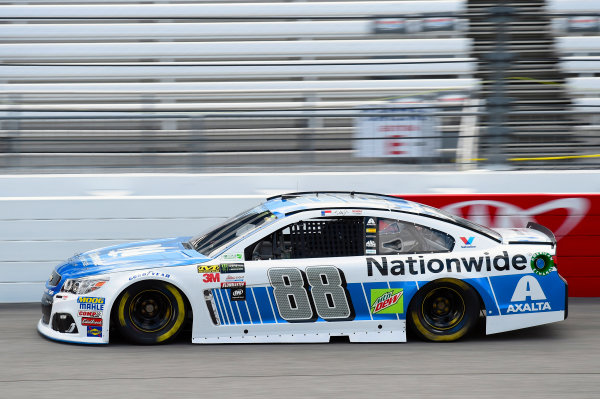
(56, 310)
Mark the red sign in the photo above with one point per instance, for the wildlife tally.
(574, 219)
(91, 321)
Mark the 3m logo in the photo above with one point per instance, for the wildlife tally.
(211, 278)
(467, 241)
(387, 301)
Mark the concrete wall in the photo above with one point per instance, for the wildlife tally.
(45, 219)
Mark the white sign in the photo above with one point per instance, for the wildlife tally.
(409, 136)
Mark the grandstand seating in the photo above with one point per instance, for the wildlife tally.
(91, 83)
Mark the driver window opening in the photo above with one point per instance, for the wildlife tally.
(315, 238)
(399, 237)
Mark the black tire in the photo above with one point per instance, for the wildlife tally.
(151, 312)
(444, 310)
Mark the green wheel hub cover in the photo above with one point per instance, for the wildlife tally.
(542, 263)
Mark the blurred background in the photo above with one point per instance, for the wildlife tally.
(125, 120)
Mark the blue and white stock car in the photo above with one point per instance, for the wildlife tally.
(304, 267)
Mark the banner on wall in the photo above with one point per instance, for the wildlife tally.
(574, 219)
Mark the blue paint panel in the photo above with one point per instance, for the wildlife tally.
(409, 290)
(216, 299)
(231, 309)
(262, 299)
(525, 290)
(359, 303)
(252, 306)
(272, 296)
(378, 285)
(220, 306)
(225, 303)
(482, 285)
(243, 311)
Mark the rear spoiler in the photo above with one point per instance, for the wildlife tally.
(544, 230)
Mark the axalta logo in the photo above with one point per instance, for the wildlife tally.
(530, 293)
(85, 299)
(387, 301)
(468, 242)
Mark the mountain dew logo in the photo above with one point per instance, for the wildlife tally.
(387, 301)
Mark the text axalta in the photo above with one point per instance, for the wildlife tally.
(418, 265)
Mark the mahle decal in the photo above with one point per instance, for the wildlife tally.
(387, 301)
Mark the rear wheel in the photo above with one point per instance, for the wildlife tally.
(444, 310)
(150, 312)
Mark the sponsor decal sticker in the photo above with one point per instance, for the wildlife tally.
(357, 211)
(371, 222)
(371, 244)
(371, 230)
(152, 274)
(387, 301)
(542, 263)
(414, 265)
(233, 256)
(529, 297)
(91, 321)
(91, 303)
(467, 242)
(89, 313)
(232, 268)
(211, 278)
(94, 332)
(233, 284)
(208, 269)
(238, 294)
(370, 251)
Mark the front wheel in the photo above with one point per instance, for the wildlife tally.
(444, 310)
(150, 312)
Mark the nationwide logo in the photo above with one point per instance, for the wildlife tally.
(468, 241)
(94, 332)
(387, 301)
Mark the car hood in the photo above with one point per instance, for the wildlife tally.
(167, 252)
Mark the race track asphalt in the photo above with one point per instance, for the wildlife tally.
(560, 360)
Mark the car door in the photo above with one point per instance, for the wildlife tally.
(295, 277)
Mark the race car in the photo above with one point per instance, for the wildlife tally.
(309, 266)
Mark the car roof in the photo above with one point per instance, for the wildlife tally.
(304, 201)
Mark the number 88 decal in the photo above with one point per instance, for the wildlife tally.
(327, 296)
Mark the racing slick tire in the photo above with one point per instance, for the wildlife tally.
(444, 310)
(150, 312)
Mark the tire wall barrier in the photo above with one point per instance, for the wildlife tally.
(45, 219)
(574, 219)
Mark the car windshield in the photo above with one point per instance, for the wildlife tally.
(231, 230)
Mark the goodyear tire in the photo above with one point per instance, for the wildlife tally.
(444, 310)
(150, 313)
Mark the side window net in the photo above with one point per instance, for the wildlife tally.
(327, 238)
(316, 238)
